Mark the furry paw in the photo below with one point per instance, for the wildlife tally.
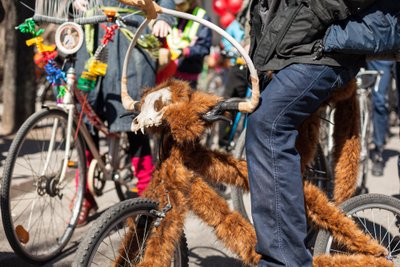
(356, 260)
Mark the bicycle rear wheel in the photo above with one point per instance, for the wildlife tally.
(39, 214)
(378, 215)
(104, 245)
(365, 132)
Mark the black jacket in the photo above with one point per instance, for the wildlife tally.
(2, 12)
(290, 31)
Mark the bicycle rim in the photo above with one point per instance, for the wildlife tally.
(39, 216)
(377, 215)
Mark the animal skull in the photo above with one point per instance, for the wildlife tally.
(152, 110)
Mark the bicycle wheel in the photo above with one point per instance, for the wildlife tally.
(240, 199)
(103, 245)
(378, 215)
(39, 214)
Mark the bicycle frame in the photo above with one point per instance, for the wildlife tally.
(238, 116)
(68, 105)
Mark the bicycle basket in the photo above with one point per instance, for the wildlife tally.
(78, 11)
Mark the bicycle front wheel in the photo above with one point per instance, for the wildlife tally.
(106, 243)
(378, 215)
(39, 213)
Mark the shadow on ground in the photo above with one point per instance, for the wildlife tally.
(212, 260)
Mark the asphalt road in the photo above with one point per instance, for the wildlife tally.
(205, 250)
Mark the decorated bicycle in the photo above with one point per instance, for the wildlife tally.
(149, 231)
(44, 176)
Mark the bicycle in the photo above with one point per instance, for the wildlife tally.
(367, 80)
(44, 176)
(179, 184)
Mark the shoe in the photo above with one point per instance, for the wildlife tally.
(88, 209)
(377, 163)
(377, 168)
(132, 193)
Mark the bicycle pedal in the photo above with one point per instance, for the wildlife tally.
(72, 164)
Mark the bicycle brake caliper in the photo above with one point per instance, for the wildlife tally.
(161, 214)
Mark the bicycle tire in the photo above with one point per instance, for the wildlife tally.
(31, 189)
(113, 219)
(237, 194)
(324, 242)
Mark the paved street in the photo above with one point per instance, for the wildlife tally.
(205, 250)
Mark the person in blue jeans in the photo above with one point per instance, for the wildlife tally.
(380, 113)
(296, 78)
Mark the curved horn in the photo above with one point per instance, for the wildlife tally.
(243, 106)
(127, 102)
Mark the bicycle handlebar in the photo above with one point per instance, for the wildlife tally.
(81, 21)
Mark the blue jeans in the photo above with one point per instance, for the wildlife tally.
(276, 185)
(380, 110)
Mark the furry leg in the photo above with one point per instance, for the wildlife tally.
(161, 244)
(174, 178)
(347, 147)
(307, 140)
(236, 232)
(344, 230)
(218, 167)
(355, 260)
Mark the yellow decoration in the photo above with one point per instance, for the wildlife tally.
(98, 68)
(38, 41)
(89, 76)
(35, 40)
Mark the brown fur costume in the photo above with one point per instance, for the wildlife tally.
(187, 166)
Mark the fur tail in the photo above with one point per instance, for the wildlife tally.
(355, 260)
(347, 145)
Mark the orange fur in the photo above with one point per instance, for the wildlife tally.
(355, 260)
(327, 216)
(347, 148)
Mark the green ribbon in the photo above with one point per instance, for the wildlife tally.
(29, 26)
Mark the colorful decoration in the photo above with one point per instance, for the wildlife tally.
(226, 20)
(55, 75)
(110, 32)
(97, 66)
(29, 26)
(61, 93)
(227, 9)
(220, 7)
(45, 56)
(234, 6)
